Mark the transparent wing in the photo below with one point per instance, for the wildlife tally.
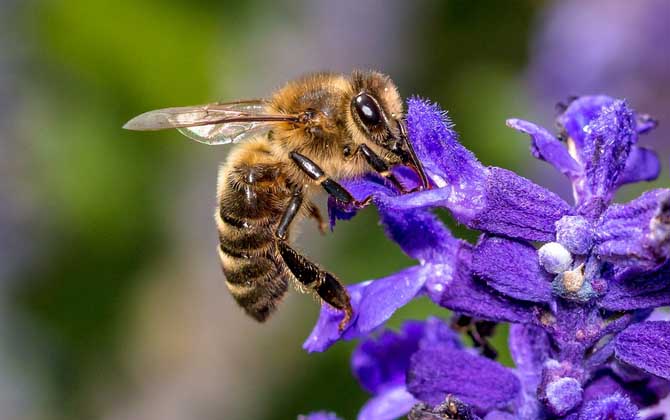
(224, 133)
(217, 123)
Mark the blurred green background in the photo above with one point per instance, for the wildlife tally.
(112, 304)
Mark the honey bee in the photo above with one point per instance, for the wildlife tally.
(312, 131)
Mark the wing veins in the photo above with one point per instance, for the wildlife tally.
(214, 123)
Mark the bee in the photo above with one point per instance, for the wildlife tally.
(309, 133)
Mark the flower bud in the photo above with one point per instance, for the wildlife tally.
(575, 234)
(554, 257)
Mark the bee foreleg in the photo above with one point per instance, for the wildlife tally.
(331, 186)
(380, 166)
(324, 283)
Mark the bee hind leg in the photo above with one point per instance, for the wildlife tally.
(306, 272)
(325, 284)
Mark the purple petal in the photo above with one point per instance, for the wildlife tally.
(435, 197)
(580, 113)
(326, 331)
(636, 235)
(646, 346)
(512, 206)
(386, 295)
(459, 177)
(511, 267)
(455, 288)
(382, 363)
(373, 303)
(645, 123)
(319, 415)
(391, 404)
(438, 371)
(437, 146)
(518, 208)
(642, 165)
(420, 233)
(546, 147)
(600, 356)
(602, 386)
(616, 406)
(436, 331)
(360, 189)
(530, 347)
(638, 292)
(606, 148)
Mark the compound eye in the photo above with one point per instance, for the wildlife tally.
(367, 109)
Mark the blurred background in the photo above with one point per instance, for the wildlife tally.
(112, 303)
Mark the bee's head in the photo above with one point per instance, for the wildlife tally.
(376, 114)
(376, 108)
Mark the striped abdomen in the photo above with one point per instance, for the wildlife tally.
(252, 198)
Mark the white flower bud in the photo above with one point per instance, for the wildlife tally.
(554, 257)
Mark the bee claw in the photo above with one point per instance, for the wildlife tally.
(363, 203)
(345, 321)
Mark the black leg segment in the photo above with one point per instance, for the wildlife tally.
(325, 284)
(306, 272)
(337, 191)
(373, 159)
(414, 160)
(380, 166)
(289, 214)
(307, 166)
(330, 185)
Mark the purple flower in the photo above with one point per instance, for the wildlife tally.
(381, 364)
(576, 282)
(613, 46)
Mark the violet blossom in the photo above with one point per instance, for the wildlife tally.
(610, 46)
(577, 283)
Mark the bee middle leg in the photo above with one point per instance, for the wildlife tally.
(325, 284)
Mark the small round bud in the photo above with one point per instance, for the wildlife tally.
(575, 234)
(554, 257)
(563, 395)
